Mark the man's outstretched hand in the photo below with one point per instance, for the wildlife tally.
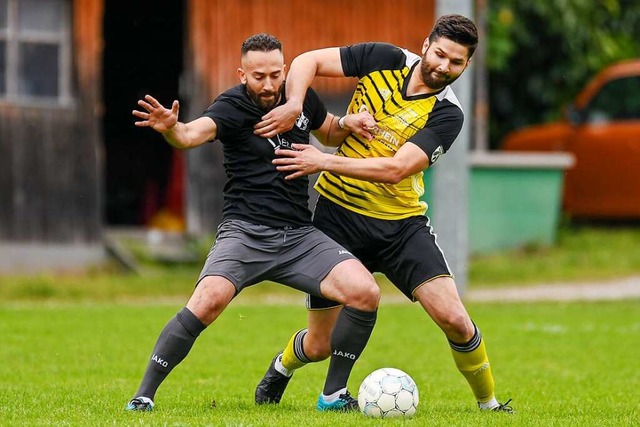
(156, 116)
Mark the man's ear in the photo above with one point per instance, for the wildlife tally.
(242, 76)
(425, 45)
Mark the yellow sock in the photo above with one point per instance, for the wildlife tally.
(474, 366)
(289, 358)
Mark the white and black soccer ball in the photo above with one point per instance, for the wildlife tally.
(388, 392)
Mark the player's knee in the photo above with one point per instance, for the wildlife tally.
(352, 285)
(457, 326)
(366, 295)
(207, 311)
(210, 299)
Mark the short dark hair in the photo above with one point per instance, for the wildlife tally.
(456, 28)
(262, 42)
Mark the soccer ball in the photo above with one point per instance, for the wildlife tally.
(388, 392)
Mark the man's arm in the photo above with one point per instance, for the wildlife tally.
(304, 68)
(306, 159)
(165, 121)
(332, 133)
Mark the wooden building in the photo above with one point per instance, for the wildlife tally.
(71, 71)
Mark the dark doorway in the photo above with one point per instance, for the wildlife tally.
(143, 54)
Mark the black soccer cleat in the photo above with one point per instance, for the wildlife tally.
(504, 407)
(273, 384)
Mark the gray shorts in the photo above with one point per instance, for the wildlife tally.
(247, 254)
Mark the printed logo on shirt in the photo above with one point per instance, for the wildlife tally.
(280, 143)
(407, 117)
(385, 93)
(436, 154)
(302, 122)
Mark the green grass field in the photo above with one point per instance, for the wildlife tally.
(74, 347)
(78, 364)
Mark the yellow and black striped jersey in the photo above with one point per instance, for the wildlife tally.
(432, 122)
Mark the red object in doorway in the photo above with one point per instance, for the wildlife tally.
(175, 187)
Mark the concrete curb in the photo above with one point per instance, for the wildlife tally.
(626, 288)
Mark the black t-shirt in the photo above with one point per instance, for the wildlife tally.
(255, 192)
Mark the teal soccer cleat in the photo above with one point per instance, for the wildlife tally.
(344, 403)
(140, 404)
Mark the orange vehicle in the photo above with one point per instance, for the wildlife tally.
(602, 130)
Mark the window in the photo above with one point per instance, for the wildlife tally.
(35, 51)
(617, 100)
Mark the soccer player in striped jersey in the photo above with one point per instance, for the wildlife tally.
(370, 189)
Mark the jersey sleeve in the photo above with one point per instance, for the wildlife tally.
(226, 116)
(316, 108)
(360, 59)
(441, 131)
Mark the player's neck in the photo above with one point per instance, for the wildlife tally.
(417, 86)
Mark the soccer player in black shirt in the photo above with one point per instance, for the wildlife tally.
(266, 232)
(370, 190)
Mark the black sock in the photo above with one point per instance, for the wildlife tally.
(348, 340)
(173, 345)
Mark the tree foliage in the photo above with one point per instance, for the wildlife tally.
(540, 54)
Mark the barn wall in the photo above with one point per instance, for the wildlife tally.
(217, 28)
(50, 170)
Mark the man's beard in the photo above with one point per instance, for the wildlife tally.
(432, 78)
(265, 100)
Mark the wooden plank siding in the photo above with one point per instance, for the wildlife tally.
(216, 29)
(50, 169)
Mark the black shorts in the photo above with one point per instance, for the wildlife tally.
(405, 250)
